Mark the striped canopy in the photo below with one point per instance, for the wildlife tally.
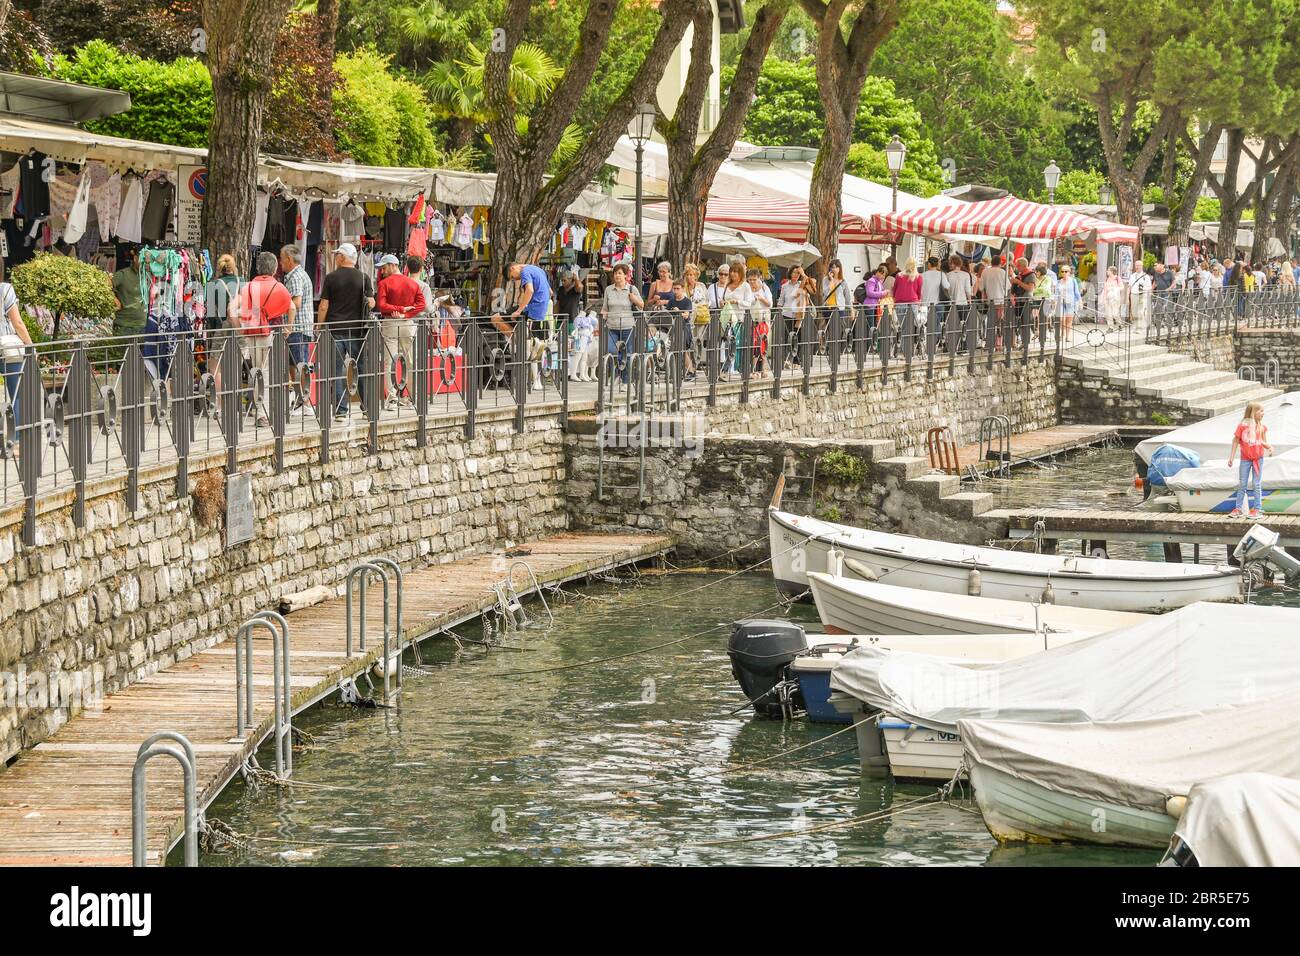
(782, 218)
(1007, 217)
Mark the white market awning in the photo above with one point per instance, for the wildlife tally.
(478, 189)
(68, 144)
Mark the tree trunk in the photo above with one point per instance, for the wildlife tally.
(691, 170)
(241, 37)
(842, 67)
(327, 28)
(1181, 217)
(1230, 201)
(1272, 208)
(525, 207)
(1125, 179)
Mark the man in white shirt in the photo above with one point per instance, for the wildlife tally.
(933, 284)
(1139, 293)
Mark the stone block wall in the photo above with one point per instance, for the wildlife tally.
(1256, 346)
(716, 502)
(897, 410)
(130, 594)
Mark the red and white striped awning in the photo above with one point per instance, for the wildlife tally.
(782, 218)
(1007, 217)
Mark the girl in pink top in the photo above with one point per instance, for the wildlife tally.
(1251, 437)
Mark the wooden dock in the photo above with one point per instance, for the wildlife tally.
(1032, 446)
(1142, 527)
(67, 802)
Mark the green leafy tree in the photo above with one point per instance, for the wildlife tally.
(382, 119)
(785, 112)
(955, 61)
(64, 286)
(170, 102)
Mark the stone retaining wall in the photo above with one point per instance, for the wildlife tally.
(1256, 346)
(131, 594)
(898, 410)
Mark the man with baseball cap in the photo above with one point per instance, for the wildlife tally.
(400, 299)
(346, 298)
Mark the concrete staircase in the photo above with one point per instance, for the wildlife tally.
(1169, 378)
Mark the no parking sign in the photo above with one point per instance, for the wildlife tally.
(189, 208)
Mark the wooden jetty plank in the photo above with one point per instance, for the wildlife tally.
(1031, 446)
(67, 802)
(1143, 527)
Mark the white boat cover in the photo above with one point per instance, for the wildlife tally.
(1280, 471)
(1247, 819)
(1139, 763)
(1201, 656)
(1211, 439)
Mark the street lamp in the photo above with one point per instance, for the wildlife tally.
(1051, 176)
(639, 129)
(1104, 194)
(895, 153)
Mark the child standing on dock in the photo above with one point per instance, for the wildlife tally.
(1251, 437)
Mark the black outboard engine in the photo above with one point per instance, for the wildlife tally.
(760, 650)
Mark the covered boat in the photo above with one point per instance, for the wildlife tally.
(1246, 819)
(849, 606)
(1173, 663)
(1211, 438)
(1213, 486)
(1121, 783)
(800, 545)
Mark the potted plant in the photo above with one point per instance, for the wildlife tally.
(77, 297)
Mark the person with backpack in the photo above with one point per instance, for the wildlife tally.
(263, 305)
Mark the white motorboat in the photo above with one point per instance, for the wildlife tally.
(1121, 783)
(801, 546)
(1246, 819)
(848, 606)
(1213, 486)
(1211, 438)
(1169, 664)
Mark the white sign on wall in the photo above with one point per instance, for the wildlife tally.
(239, 509)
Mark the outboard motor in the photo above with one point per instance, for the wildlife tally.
(760, 651)
(1260, 546)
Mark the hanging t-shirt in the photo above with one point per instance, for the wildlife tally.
(33, 188)
(77, 215)
(353, 218)
(157, 211)
(261, 201)
(107, 200)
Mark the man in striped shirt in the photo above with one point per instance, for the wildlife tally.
(302, 317)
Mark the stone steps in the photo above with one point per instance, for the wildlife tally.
(1169, 378)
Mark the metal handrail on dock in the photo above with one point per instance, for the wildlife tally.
(183, 755)
(364, 571)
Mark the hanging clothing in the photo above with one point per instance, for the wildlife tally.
(261, 202)
(464, 233)
(395, 230)
(106, 197)
(76, 224)
(417, 244)
(157, 211)
(353, 220)
(302, 219)
(129, 218)
(33, 189)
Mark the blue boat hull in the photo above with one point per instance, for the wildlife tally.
(815, 686)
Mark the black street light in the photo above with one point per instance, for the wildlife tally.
(639, 129)
(895, 154)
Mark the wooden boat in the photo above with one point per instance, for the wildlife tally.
(1117, 783)
(848, 606)
(801, 545)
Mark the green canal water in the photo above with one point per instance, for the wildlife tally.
(534, 756)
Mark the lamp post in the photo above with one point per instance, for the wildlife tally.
(1105, 195)
(895, 153)
(1051, 176)
(639, 129)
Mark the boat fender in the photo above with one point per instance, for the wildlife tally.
(1049, 594)
(974, 582)
(835, 562)
(1175, 806)
(858, 568)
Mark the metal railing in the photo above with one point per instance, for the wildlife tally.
(363, 572)
(282, 685)
(152, 747)
(76, 411)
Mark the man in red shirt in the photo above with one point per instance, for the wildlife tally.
(263, 305)
(400, 299)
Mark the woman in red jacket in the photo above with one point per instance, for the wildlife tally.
(907, 296)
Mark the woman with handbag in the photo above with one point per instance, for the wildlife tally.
(14, 340)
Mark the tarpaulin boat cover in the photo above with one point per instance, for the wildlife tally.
(1212, 438)
(1247, 819)
(1169, 460)
(1139, 763)
(1279, 471)
(1197, 657)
